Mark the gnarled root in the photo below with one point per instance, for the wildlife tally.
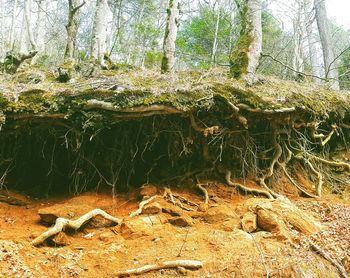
(62, 223)
(246, 189)
(168, 195)
(204, 131)
(188, 264)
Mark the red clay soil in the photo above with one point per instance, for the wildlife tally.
(212, 235)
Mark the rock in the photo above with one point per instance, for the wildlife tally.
(271, 222)
(153, 208)
(106, 236)
(218, 214)
(148, 190)
(249, 222)
(172, 210)
(141, 226)
(30, 76)
(231, 224)
(61, 239)
(70, 211)
(181, 221)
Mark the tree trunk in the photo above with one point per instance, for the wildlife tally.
(309, 19)
(28, 16)
(172, 23)
(245, 56)
(215, 42)
(298, 26)
(103, 15)
(13, 23)
(72, 27)
(40, 25)
(325, 35)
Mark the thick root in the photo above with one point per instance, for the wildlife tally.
(62, 223)
(141, 206)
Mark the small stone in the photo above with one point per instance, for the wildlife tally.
(153, 208)
(182, 270)
(148, 190)
(249, 222)
(61, 239)
(182, 221)
(106, 236)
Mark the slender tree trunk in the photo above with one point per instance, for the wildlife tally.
(298, 23)
(245, 56)
(72, 27)
(28, 16)
(215, 42)
(309, 19)
(103, 15)
(325, 36)
(168, 60)
(13, 24)
(40, 25)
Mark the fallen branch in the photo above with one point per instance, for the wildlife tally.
(188, 264)
(63, 223)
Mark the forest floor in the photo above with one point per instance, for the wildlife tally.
(212, 235)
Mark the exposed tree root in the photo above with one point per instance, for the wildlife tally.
(344, 165)
(141, 206)
(205, 192)
(63, 223)
(187, 264)
(321, 252)
(204, 131)
(168, 195)
(245, 188)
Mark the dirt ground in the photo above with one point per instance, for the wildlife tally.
(212, 234)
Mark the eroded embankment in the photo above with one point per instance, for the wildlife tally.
(126, 129)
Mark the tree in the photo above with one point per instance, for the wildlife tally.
(168, 60)
(328, 55)
(72, 27)
(13, 23)
(103, 15)
(245, 56)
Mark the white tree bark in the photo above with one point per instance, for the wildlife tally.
(325, 35)
(309, 19)
(13, 24)
(172, 24)
(215, 41)
(28, 17)
(298, 26)
(103, 16)
(40, 25)
(245, 57)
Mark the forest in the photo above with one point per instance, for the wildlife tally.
(167, 138)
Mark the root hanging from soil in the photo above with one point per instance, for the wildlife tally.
(245, 188)
(187, 264)
(63, 223)
(205, 192)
